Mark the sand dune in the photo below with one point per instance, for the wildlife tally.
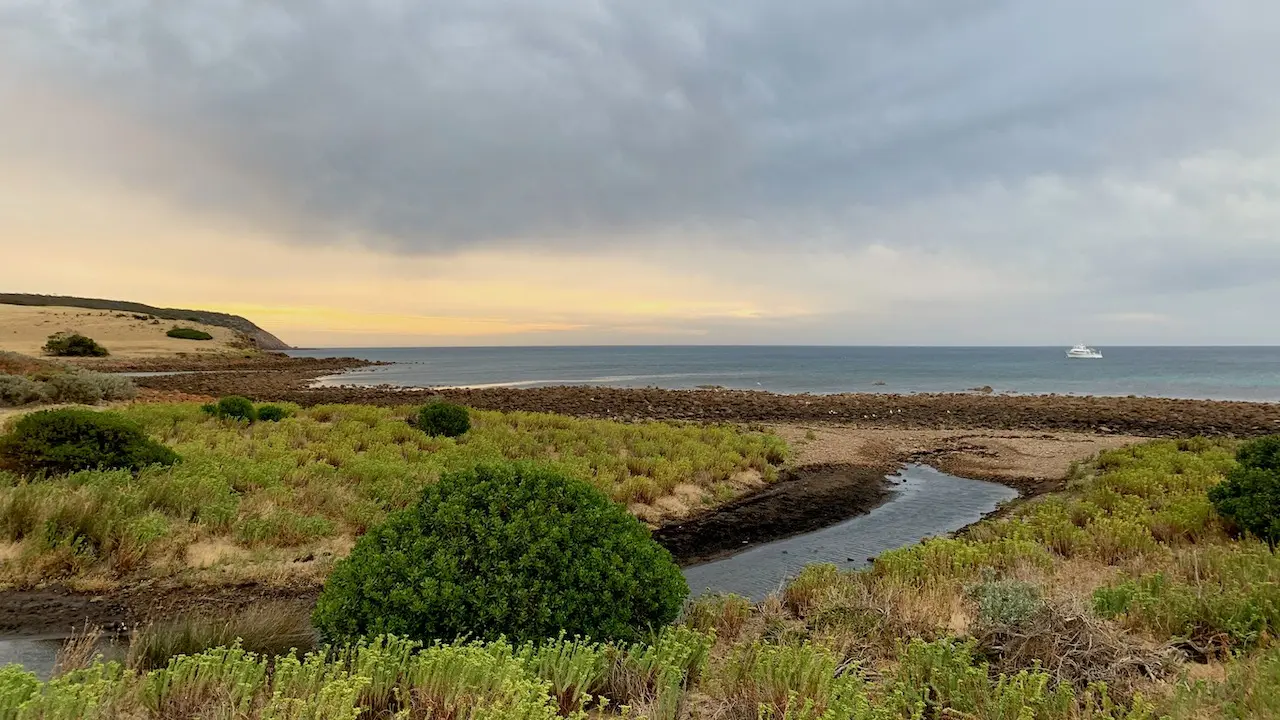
(25, 329)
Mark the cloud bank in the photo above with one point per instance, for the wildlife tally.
(835, 171)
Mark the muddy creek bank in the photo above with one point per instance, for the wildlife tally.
(802, 500)
(923, 502)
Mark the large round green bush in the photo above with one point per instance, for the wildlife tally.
(442, 418)
(1250, 496)
(70, 439)
(519, 550)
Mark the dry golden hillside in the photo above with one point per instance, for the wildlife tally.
(25, 329)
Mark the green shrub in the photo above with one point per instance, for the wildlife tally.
(1262, 453)
(73, 345)
(272, 413)
(722, 614)
(1250, 496)
(1006, 602)
(16, 390)
(83, 386)
(184, 333)
(237, 408)
(442, 418)
(1225, 612)
(518, 550)
(68, 439)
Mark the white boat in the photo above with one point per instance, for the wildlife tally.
(1084, 352)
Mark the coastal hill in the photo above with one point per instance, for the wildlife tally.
(127, 328)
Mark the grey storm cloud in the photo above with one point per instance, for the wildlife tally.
(430, 126)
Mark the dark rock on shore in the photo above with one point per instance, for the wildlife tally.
(804, 499)
(290, 380)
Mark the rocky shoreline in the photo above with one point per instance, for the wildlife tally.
(289, 379)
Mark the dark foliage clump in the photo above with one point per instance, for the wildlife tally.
(442, 418)
(1250, 496)
(70, 439)
(271, 413)
(515, 550)
(73, 345)
(189, 334)
(235, 407)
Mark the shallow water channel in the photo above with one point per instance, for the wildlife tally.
(35, 654)
(924, 502)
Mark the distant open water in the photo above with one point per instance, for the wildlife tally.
(1220, 373)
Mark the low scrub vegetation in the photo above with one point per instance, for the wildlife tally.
(1155, 610)
(249, 499)
(68, 440)
(504, 550)
(16, 390)
(66, 386)
(73, 345)
(678, 674)
(235, 407)
(186, 333)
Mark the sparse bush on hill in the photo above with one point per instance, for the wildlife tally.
(271, 413)
(184, 333)
(1250, 496)
(442, 418)
(73, 345)
(16, 390)
(519, 550)
(67, 440)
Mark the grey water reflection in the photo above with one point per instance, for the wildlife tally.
(925, 502)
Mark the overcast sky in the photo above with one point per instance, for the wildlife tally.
(653, 171)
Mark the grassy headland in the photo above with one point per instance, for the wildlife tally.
(1124, 597)
(248, 500)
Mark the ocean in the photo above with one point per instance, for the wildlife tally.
(1220, 373)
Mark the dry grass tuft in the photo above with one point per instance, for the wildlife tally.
(78, 652)
(269, 630)
(1076, 648)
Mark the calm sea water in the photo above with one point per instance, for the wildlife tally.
(1225, 373)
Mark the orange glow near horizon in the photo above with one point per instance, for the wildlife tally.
(78, 236)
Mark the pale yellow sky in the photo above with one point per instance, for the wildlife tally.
(80, 235)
